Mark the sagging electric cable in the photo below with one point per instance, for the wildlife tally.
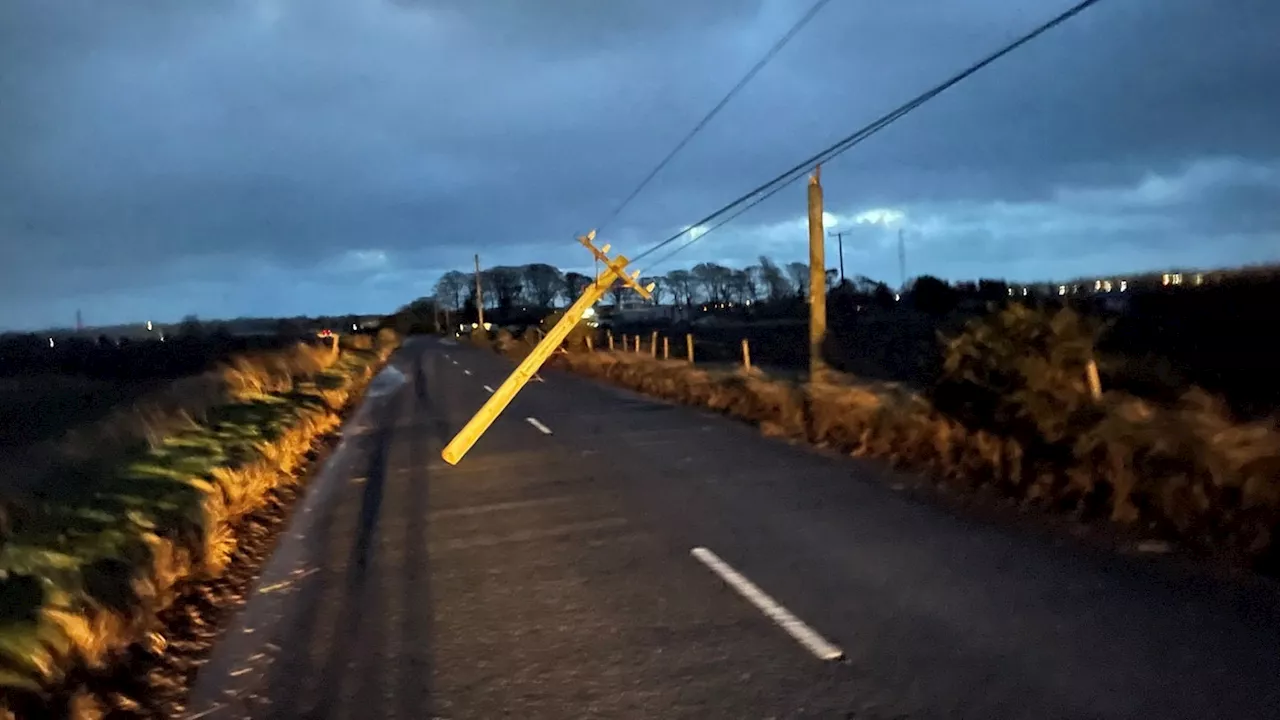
(763, 192)
(760, 65)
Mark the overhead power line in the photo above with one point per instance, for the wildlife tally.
(768, 57)
(767, 190)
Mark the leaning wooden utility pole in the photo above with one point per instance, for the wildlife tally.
(817, 275)
(615, 269)
(479, 296)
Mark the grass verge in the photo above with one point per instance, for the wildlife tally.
(92, 558)
(1185, 472)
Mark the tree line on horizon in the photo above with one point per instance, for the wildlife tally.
(540, 285)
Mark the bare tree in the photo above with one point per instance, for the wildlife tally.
(739, 286)
(452, 288)
(507, 284)
(618, 292)
(575, 284)
(659, 287)
(775, 281)
(714, 280)
(798, 272)
(681, 285)
(754, 284)
(542, 284)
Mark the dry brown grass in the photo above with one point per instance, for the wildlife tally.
(357, 341)
(276, 373)
(1188, 472)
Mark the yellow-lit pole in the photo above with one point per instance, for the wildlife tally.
(506, 392)
(502, 397)
(817, 276)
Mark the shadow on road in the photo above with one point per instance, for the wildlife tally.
(416, 697)
(360, 644)
(370, 505)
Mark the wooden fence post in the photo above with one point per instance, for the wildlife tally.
(610, 341)
(666, 348)
(688, 342)
(746, 354)
(637, 343)
(590, 345)
(653, 344)
(626, 344)
(1095, 383)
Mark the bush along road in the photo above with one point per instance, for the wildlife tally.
(90, 562)
(1013, 413)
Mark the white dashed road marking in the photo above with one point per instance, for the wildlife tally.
(488, 389)
(466, 372)
(534, 422)
(795, 627)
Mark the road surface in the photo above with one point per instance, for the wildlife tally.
(601, 555)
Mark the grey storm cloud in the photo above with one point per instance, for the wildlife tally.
(158, 152)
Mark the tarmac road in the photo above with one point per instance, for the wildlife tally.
(602, 555)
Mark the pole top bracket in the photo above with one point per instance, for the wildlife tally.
(617, 264)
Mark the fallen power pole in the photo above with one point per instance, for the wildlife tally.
(615, 269)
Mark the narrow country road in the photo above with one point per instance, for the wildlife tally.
(601, 555)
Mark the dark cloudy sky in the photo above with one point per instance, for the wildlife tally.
(273, 157)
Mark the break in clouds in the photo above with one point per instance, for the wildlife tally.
(279, 157)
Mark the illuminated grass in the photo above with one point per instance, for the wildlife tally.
(100, 550)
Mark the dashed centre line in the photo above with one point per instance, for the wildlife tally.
(488, 389)
(535, 422)
(466, 372)
(794, 626)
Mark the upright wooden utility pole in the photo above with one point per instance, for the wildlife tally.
(479, 295)
(902, 262)
(817, 275)
(839, 236)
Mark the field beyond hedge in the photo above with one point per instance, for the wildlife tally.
(101, 545)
